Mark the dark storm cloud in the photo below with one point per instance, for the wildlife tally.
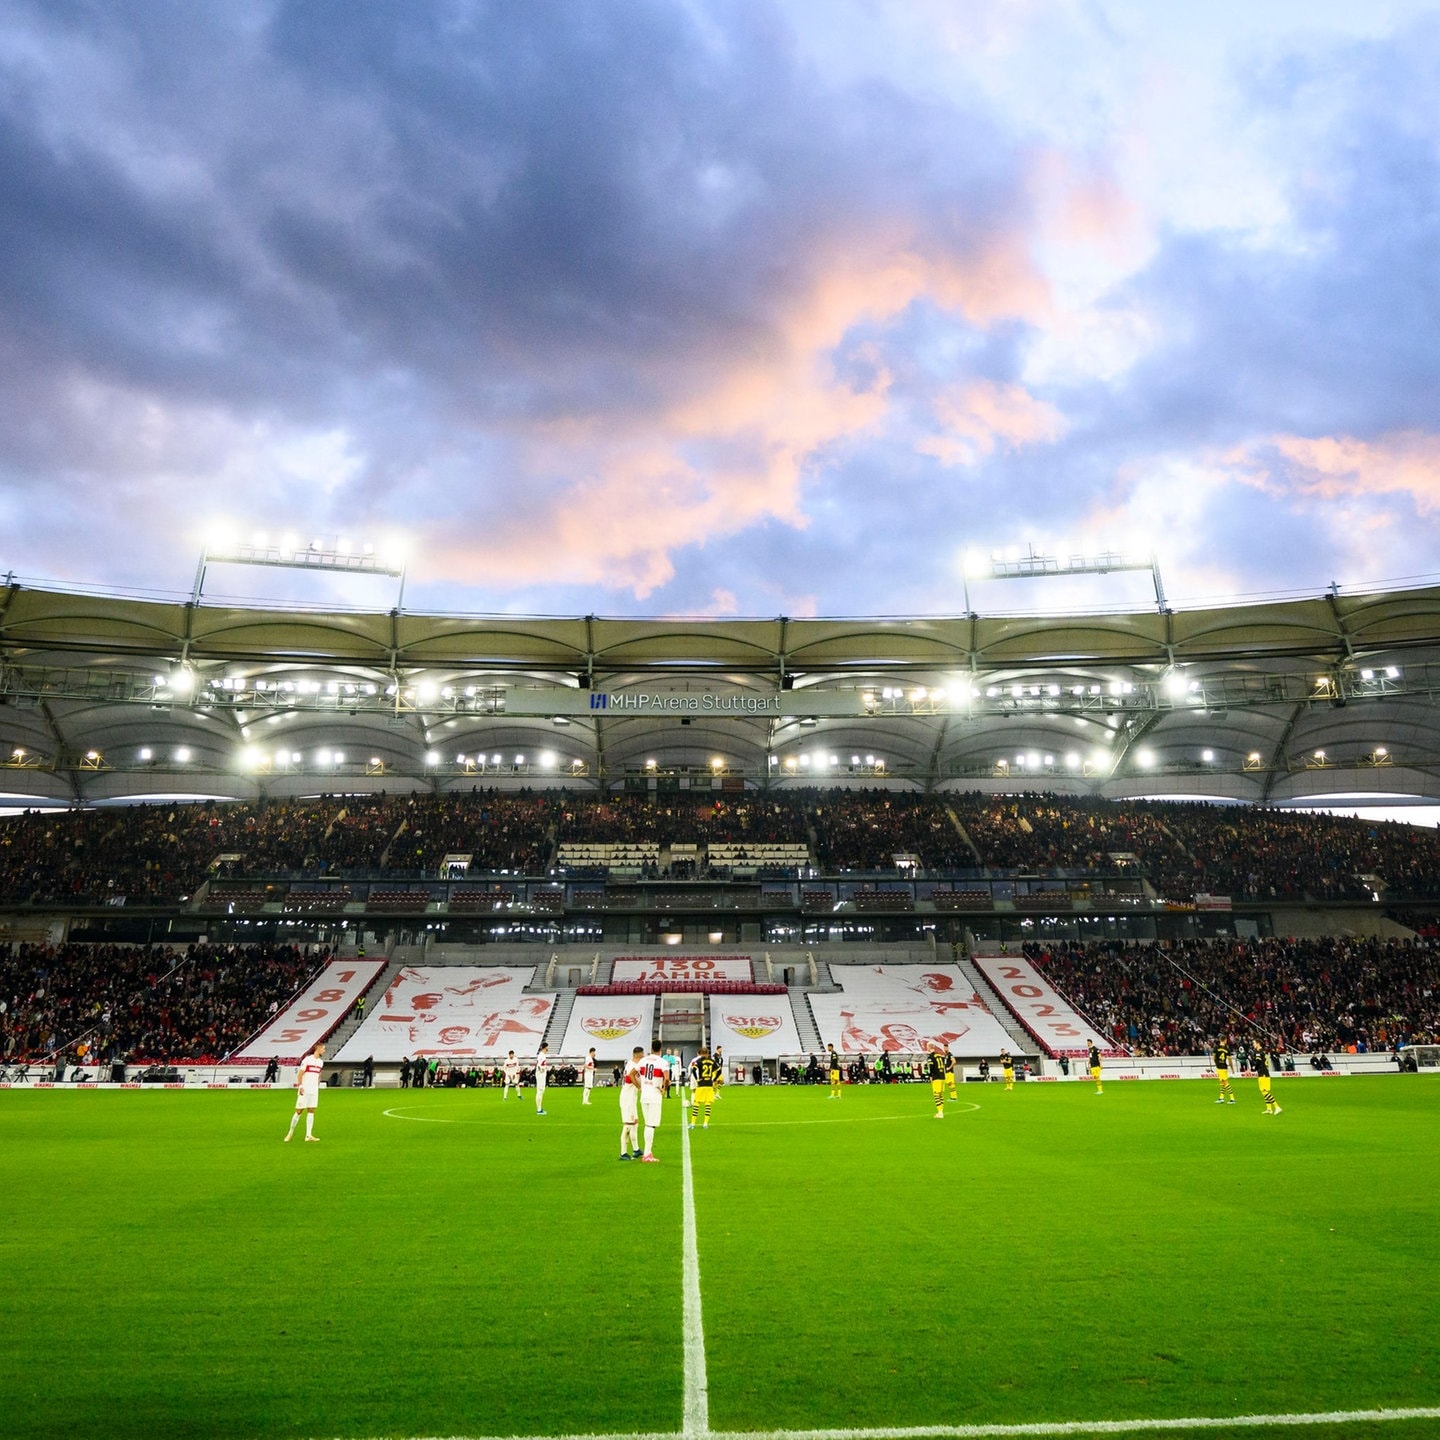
(467, 242)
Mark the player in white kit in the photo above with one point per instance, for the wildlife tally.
(630, 1106)
(307, 1086)
(510, 1072)
(542, 1076)
(654, 1082)
(589, 1069)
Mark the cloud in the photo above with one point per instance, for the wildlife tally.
(978, 416)
(563, 294)
(1332, 467)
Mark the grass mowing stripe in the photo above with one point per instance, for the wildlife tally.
(697, 1390)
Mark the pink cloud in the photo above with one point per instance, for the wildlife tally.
(983, 414)
(735, 449)
(1341, 467)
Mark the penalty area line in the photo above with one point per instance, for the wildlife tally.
(1041, 1428)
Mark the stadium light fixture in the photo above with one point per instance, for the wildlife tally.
(1072, 761)
(547, 759)
(146, 753)
(1207, 756)
(342, 555)
(1032, 564)
(1145, 758)
(494, 759)
(432, 757)
(182, 754)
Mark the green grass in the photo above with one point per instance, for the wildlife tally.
(172, 1271)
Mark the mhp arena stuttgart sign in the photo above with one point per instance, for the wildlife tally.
(662, 703)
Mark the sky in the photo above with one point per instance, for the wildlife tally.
(753, 307)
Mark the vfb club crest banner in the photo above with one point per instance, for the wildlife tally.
(761, 1027)
(613, 1024)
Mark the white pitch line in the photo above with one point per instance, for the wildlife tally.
(1042, 1428)
(696, 1413)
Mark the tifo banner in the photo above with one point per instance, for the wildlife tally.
(907, 1008)
(314, 1013)
(460, 1011)
(761, 1026)
(1040, 1007)
(683, 967)
(613, 1024)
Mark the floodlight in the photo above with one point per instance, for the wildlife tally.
(1175, 685)
(1072, 761)
(519, 759)
(1392, 672)
(426, 691)
(375, 760)
(494, 759)
(146, 752)
(717, 763)
(650, 764)
(547, 759)
(322, 757)
(1032, 760)
(1146, 758)
(1207, 756)
(1381, 750)
(339, 757)
(1367, 674)
(182, 754)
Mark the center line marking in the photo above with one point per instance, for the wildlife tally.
(696, 1421)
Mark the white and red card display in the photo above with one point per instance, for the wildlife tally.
(760, 1027)
(1059, 1027)
(455, 1011)
(613, 1024)
(314, 1013)
(630, 968)
(906, 1009)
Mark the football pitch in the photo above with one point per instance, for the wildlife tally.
(443, 1263)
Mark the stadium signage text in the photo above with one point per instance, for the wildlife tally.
(658, 702)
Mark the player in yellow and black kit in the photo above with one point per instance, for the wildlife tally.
(1007, 1069)
(951, 1077)
(833, 1066)
(709, 1073)
(1262, 1075)
(1222, 1073)
(1095, 1068)
(938, 1069)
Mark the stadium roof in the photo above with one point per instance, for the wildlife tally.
(107, 697)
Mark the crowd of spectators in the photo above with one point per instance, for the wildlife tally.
(1294, 995)
(774, 818)
(1044, 832)
(141, 1004)
(160, 854)
(499, 832)
(868, 829)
